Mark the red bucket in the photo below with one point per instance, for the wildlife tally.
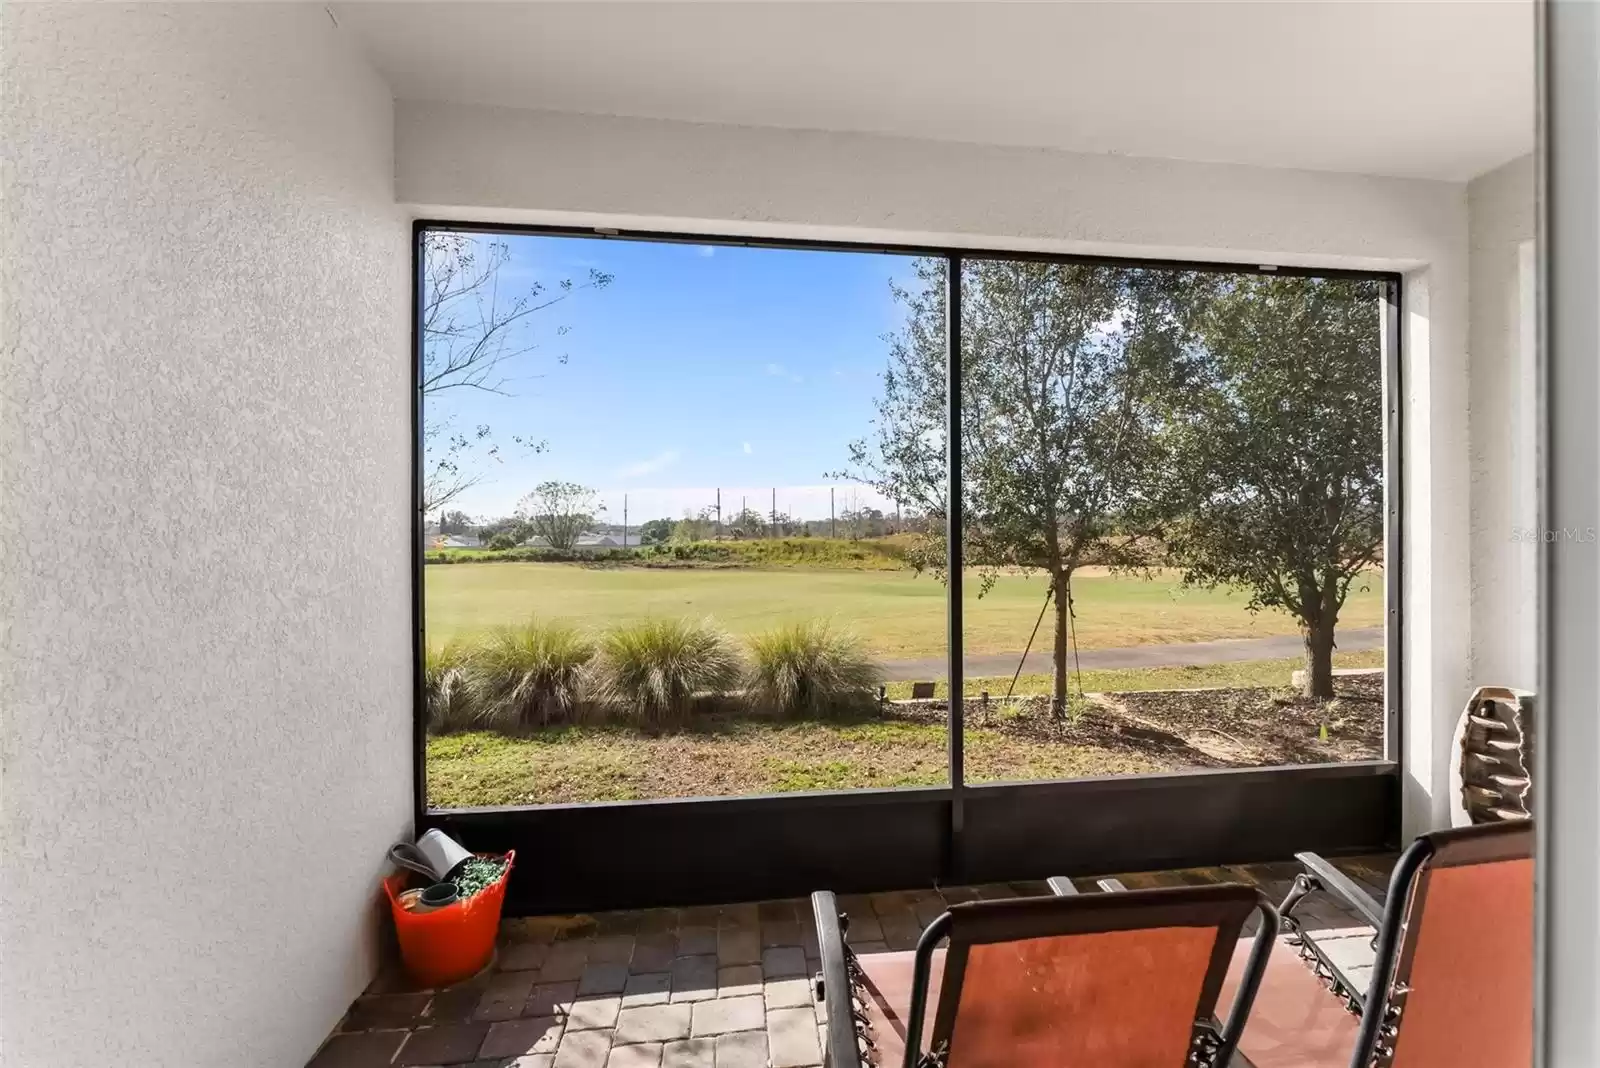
(450, 944)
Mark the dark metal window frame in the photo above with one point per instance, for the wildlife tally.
(688, 850)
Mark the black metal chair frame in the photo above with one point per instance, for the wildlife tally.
(1214, 1043)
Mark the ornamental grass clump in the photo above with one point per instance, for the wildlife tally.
(531, 675)
(446, 690)
(655, 671)
(476, 874)
(810, 671)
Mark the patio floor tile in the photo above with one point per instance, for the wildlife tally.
(738, 980)
(693, 941)
(783, 963)
(603, 979)
(551, 999)
(654, 952)
(523, 956)
(583, 1049)
(745, 1049)
(637, 1055)
(650, 988)
(376, 1011)
(690, 1053)
(724, 1015)
(518, 1037)
(592, 1013)
(788, 994)
(368, 1049)
(792, 1035)
(694, 978)
(445, 1044)
(654, 1023)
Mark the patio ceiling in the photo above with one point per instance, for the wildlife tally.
(1429, 90)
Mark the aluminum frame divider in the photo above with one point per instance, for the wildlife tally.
(954, 673)
(1393, 532)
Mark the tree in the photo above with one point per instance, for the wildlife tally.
(470, 328)
(656, 531)
(748, 523)
(1276, 446)
(559, 512)
(1057, 365)
(694, 526)
(455, 522)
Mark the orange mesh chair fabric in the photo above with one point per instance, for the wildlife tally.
(1463, 983)
(1125, 980)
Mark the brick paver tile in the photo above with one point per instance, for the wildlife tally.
(864, 927)
(724, 1015)
(744, 914)
(551, 999)
(566, 960)
(895, 901)
(792, 1034)
(522, 956)
(957, 894)
(654, 952)
(652, 988)
(852, 905)
(505, 998)
(529, 929)
(994, 891)
(367, 1049)
(738, 980)
(738, 945)
(454, 1005)
(780, 933)
(1032, 888)
(625, 921)
(772, 911)
(869, 947)
(808, 940)
(788, 993)
(699, 916)
(783, 962)
(445, 1044)
(583, 1049)
(527, 1060)
(690, 1053)
(611, 949)
(1348, 953)
(747, 1049)
(518, 1037)
(657, 921)
(637, 1055)
(900, 929)
(607, 978)
(653, 1023)
(590, 1013)
(376, 1011)
(693, 941)
(928, 909)
(694, 978)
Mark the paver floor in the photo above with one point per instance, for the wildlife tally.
(704, 987)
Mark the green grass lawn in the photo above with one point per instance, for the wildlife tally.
(899, 615)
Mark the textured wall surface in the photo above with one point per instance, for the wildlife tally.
(1501, 207)
(204, 442)
(505, 164)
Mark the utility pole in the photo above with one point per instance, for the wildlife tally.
(624, 520)
(719, 513)
(833, 526)
(774, 511)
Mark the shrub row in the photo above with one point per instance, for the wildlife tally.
(880, 554)
(656, 673)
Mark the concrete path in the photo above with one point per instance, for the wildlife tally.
(1228, 651)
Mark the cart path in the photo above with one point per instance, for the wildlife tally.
(1186, 654)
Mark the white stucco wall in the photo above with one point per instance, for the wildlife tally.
(509, 165)
(1501, 210)
(204, 440)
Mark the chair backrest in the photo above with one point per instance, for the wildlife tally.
(1461, 990)
(1125, 979)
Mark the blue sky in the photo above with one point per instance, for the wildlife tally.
(699, 366)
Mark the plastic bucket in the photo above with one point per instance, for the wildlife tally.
(453, 943)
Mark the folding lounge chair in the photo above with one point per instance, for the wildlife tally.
(1452, 980)
(1097, 981)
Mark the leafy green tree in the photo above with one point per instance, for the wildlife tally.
(1058, 366)
(455, 522)
(559, 512)
(656, 531)
(1275, 441)
(748, 523)
(471, 325)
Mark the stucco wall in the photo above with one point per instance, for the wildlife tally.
(510, 165)
(1501, 209)
(204, 440)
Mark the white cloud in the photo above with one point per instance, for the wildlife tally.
(778, 370)
(747, 449)
(705, 251)
(658, 462)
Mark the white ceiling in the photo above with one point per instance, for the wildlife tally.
(1441, 89)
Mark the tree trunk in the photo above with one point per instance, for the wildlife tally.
(1063, 607)
(1319, 661)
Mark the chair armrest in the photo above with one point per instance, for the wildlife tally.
(1061, 886)
(832, 984)
(1110, 886)
(1325, 876)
